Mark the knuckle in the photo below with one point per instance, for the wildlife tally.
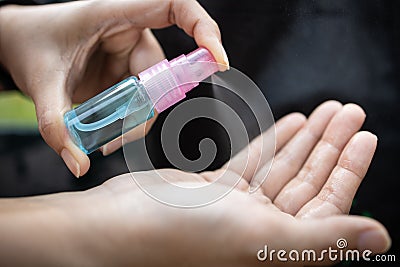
(48, 125)
(45, 125)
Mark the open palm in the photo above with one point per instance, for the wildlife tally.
(320, 163)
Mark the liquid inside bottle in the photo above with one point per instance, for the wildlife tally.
(131, 102)
(100, 119)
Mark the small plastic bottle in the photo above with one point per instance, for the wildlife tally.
(101, 119)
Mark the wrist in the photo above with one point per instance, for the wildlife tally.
(4, 30)
(17, 29)
(41, 229)
(6, 81)
(4, 76)
(99, 231)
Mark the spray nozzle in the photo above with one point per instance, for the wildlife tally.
(168, 81)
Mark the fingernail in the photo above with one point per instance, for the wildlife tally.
(254, 185)
(71, 163)
(225, 59)
(375, 240)
(104, 150)
(111, 147)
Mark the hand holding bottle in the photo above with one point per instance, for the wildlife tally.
(130, 103)
(64, 53)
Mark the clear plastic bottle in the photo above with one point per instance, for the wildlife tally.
(101, 119)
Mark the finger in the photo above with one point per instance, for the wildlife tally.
(309, 181)
(248, 161)
(302, 246)
(196, 22)
(146, 53)
(186, 14)
(51, 103)
(338, 192)
(243, 166)
(341, 233)
(291, 157)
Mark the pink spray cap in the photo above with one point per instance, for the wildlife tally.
(168, 82)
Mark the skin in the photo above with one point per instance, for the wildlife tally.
(66, 53)
(319, 164)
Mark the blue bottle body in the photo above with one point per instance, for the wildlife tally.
(101, 119)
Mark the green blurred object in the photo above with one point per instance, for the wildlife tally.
(17, 114)
(367, 214)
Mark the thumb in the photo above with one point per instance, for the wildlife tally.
(51, 102)
(343, 233)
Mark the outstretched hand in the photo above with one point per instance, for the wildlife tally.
(301, 206)
(66, 53)
(320, 163)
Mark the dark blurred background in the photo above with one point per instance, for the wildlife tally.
(300, 53)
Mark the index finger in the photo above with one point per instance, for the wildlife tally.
(258, 153)
(188, 15)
